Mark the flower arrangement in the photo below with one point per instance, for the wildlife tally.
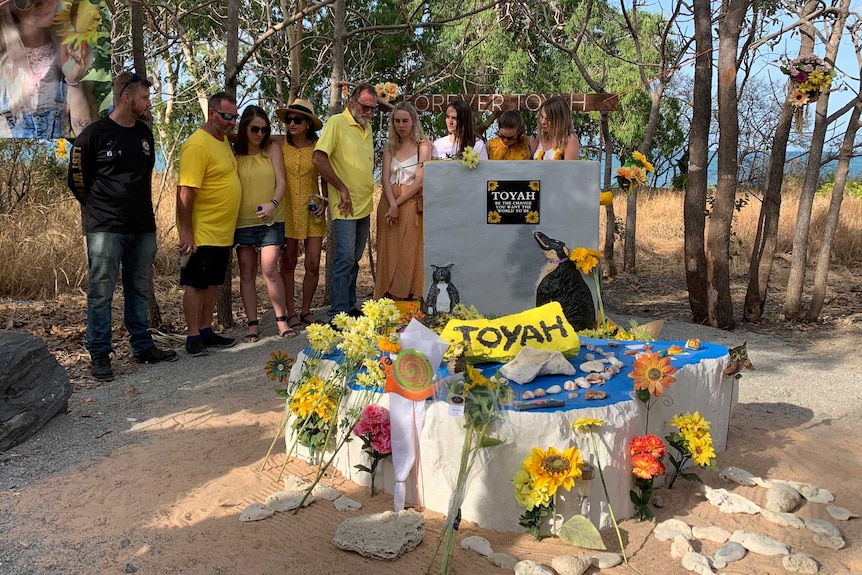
(652, 374)
(387, 91)
(470, 157)
(646, 452)
(374, 431)
(809, 77)
(634, 172)
(536, 483)
(693, 442)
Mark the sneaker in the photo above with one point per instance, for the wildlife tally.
(156, 355)
(196, 348)
(353, 312)
(216, 340)
(101, 368)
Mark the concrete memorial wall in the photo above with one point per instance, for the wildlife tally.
(482, 221)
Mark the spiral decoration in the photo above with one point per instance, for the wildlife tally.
(411, 376)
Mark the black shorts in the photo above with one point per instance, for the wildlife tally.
(207, 267)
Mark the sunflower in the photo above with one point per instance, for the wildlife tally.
(586, 424)
(494, 217)
(553, 469)
(62, 149)
(649, 444)
(79, 23)
(693, 423)
(391, 89)
(643, 161)
(534, 185)
(492, 185)
(532, 217)
(652, 372)
(702, 451)
(798, 98)
(278, 367)
(382, 95)
(645, 466)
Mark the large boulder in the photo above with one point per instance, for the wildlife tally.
(34, 387)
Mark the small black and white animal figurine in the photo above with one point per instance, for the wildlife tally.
(561, 281)
(442, 295)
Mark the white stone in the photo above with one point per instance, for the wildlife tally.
(478, 544)
(529, 567)
(554, 389)
(606, 560)
(799, 563)
(386, 535)
(592, 366)
(822, 527)
(840, 513)
(583, 383)
(345, 503)
(829, 542)
(738, 476)
(710, 533)
(256, 512)
(503, 561)
(325, 492)
(570, 564)
(727, 502)
(294, 483)
(288, 500)
(782, 498)
(760, 544)
(697, 563)
(670, 528)
(728, 553)
(783, 519)
(812, 493)
(531, 363)
(680, 547)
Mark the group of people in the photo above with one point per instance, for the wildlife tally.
(261, 194)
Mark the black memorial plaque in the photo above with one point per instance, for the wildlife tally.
(513, 201)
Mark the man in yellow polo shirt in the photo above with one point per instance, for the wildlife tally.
(344, 157)
(208, 198)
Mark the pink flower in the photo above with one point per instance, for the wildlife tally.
(800, 77)
(372, 421)
(382, 443)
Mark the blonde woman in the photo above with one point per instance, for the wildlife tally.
(557, 139)
(399, 213)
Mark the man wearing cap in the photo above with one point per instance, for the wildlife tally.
(208, 200)
(344, 156)
(110, 173)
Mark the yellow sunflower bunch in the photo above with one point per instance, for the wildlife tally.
(554, 469)
(313, 398)
(695, 435)
(585, 259)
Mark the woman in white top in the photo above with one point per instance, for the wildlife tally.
(459, 124)
(557, 139)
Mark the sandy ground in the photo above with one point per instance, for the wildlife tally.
(152, 479)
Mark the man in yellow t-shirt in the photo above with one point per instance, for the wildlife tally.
(344, 157)
(208, 199)
(510, 143)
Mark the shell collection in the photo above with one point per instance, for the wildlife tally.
(599, 367)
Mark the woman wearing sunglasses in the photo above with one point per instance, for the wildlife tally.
(510, 143)
(305, 207)
(41, 93)
(261, 173)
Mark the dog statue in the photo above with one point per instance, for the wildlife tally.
(561, 281)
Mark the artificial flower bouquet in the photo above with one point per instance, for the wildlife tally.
(387, 91)
(375, 432)
(810, 76)
(693, 442)
(634, 172)
(646, 453)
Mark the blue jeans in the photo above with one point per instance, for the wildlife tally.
(350, 239)
(105, 252)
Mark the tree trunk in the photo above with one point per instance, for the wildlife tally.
(294, 35)
(610, 267)
(694, 204)
(798, 264)
(629, 245)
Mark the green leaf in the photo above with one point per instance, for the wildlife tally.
(361, 467)
(691, 477)
(580, 532)
(282, 393)
(634, 497)
(490, 441)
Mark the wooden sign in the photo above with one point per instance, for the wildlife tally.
(528, 102)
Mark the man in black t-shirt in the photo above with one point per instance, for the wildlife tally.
(110, 173)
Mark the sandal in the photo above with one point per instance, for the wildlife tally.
(289, 332)
(307, 315)
(252, 337)
(295, 324)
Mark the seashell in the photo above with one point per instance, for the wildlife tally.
(693, 344)
(554, 389)
(613, 343)
(594, 377)
(591, 347)
(540, 392)
(589, 366)
(573, 395)
(606, 375)
(528, 395)
(631, 351)
(570, 385)
(583, 383)
(675, 350)
(589, 357)
(609, 354)
(595, 394)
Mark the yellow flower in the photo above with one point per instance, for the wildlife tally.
(388, 345)
(534, 185)
(321, 337)
(62, 149)
(492, 185)
(391, 89)
(690, 422)
(554, 469)
(702, 451)
(382, 95)
(382, 313)
(525, 494)
(652, 372)
(643, 161)
(585, 259)
(532, 217)
(470, 158)
(311, 398)
(85, 29)
(373, 376)
(494, 218)
(586, 424)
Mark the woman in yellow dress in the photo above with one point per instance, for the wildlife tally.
(557, 139)
(400, 262)
(304, 210)
(261, 173)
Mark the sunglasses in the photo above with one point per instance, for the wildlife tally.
(510, 138)
(293, 120)
(133, 79)
(226, 116)
(366, 109)
(23, 5)
(259, 129)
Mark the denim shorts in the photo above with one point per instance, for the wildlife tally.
(206, 268)
(260, 236)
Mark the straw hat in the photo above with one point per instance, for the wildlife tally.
(303, 108)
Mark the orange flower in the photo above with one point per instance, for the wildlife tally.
(386, 345)
(391, 89)
(649, 444)
(798, 98)
(645, 466)
(652, 372)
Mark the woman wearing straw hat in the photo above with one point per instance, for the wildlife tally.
(305, 207)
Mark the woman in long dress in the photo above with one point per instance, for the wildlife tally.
(261, 173)
(459, 125)
(400, 243)
(305, 208)
(557, 139)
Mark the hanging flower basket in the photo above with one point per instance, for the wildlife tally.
(809, 76)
